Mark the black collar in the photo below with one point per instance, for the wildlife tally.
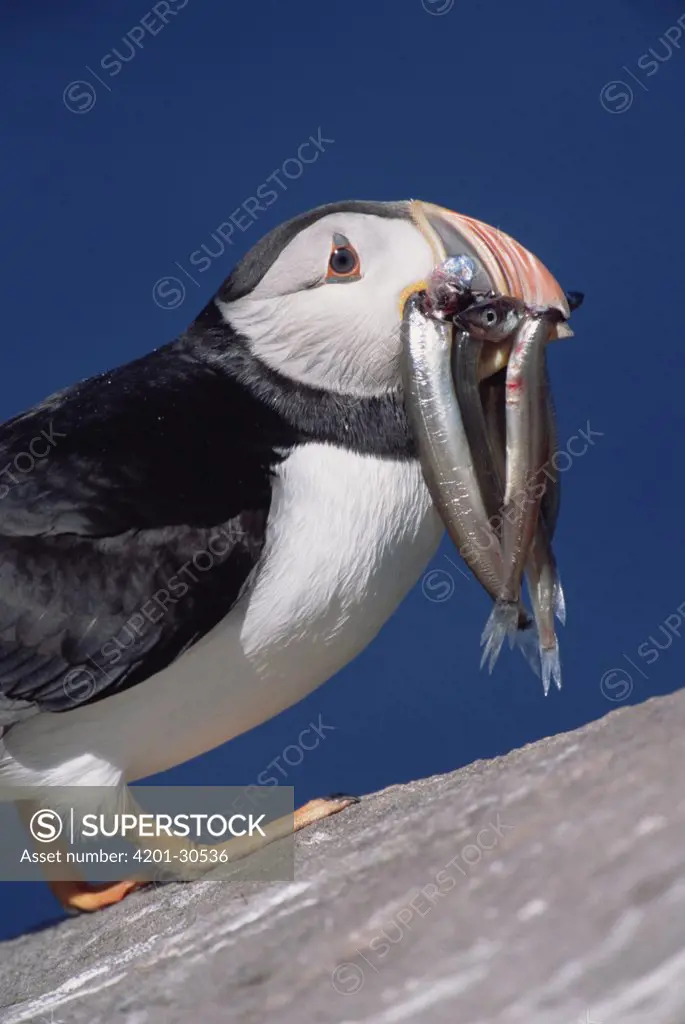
(371, 425)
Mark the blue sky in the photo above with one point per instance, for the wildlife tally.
(555, 123)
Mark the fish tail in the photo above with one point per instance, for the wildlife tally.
(503, 622)
(559, 602)
(551, 667)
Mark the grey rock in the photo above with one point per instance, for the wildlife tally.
(544, 887)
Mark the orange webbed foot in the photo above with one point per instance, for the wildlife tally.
(78, 897)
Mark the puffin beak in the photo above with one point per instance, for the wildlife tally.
(503, 266)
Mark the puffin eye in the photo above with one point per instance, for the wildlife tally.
(343, 264)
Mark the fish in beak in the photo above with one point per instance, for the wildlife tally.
(544, 585)
(502, 267)
(484, 412)
(487, 438)
(488, 312)
(443, 448)
(526, 444)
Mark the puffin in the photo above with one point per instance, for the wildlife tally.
(194, 541)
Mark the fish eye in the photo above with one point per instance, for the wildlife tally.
(490, 317)
(343, 263)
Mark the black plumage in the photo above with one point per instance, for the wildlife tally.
(134, 522)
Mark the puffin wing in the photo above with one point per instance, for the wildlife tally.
(133, 509)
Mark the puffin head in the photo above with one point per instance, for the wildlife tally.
(321, 297)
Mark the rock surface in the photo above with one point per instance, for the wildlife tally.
(544, 887)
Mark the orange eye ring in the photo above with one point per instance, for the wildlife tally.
(344, 263)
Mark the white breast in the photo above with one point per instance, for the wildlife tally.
(347, 537)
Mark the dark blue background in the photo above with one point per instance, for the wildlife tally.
(491, 109)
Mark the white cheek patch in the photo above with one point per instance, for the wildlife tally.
(345, 338)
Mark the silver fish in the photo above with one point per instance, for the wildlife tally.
(483, 413)
(484, 420)
(544, 585)
(526, 451)
(541, 572)
(466, 357)
(493, 319)
(443, 449)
